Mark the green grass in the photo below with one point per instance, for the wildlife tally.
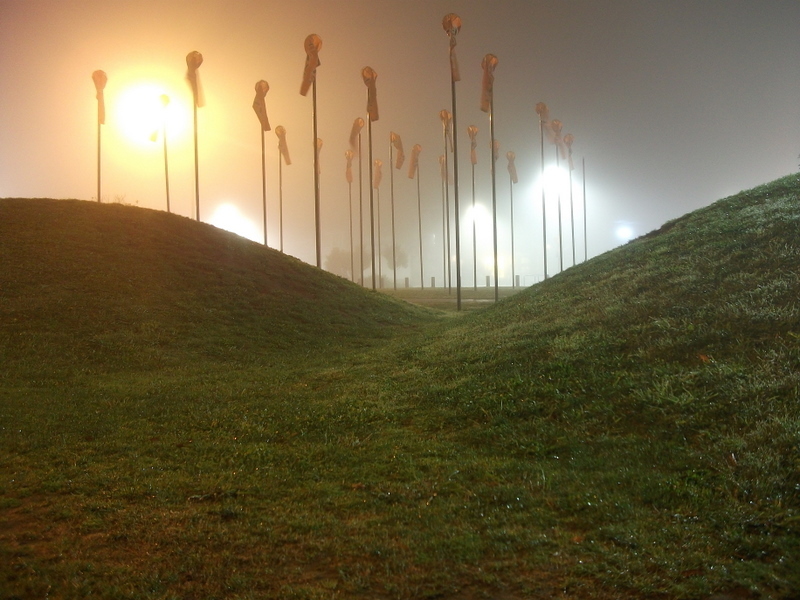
(185, 414)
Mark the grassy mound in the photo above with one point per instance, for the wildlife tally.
(629, 428)
(111, 287)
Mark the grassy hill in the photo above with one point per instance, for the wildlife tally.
(187, 414)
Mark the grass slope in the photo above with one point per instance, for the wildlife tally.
(629, 428)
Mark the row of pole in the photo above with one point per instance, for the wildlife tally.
(451, 24)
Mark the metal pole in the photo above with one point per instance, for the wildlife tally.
(455, 193)
(474, 238)
(391, 194)
(371, 201)
(419, 220)
(165, 100)
(98, 159)
(494, 199)
(264, 182)
(316, 174)
(513, 271)
(544, 201)
(361, 209)
(560, 242)
(280, 196)
(572, 213)
(352, 250)
(585, 238)
(196, 167)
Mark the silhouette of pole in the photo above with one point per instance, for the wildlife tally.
(348, 174)
(512, 179)
(193, 61)
(556, 126)
(447, 128)
(369, 76)
(472, 131)
(376, 183)
(585, 237)
(283, 152)
(413, 171)
(355, 145)
(100, 79)
(544, 116)
(452, 25)
(489, 63)
(394, 143)
(443, 172)
(260, 108)
(568, 141)
(165, 103)
(312, 45)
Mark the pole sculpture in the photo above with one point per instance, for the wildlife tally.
(585, 237)
(445, 182)
(100, 79)
(568, 141)
(193, 61)
(348, 175)
(376, 185)
(544, 118)
(413, 171)
(447, 136)
(489, 63)
(512, 179)
(395, 143)
(472, 131)
(283, 152)
(369, 76)
(312, 45)
(165, 103)
(556, 126)
(260, 108)
(355, 146)
(452, 25)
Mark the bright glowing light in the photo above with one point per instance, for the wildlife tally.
(624, 233)
(556, 180)
(228, 217)
(140, 113)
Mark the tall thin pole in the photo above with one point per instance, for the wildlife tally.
(352, 249)
(196, 168)
(391, 198)
(541, 109)
(452, 25)
(572, 215)
(100, 79)
(361, 208)
(283, 156)
(280, 196)
(99, 127)
(473, 132)
(494, 200)
(585, 238)
(371, 201)
(264, 183)
(489, 63)
(318, 235)
(511, 198)
(419, 221)
(455, 194)
(165, 102)
(446, 222)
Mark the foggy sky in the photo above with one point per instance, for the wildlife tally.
(673, 105)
